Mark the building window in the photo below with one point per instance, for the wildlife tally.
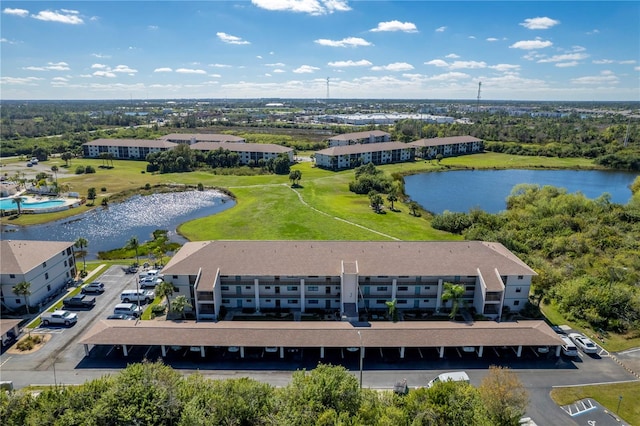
(426, 287)
(516, 302)
(247, 287)
(382, 288)
(518, 289)
(268, 287)
(426, 300)
(402, 301)
(12, 275)
(175, 277)
(224, 288)
(65, 263)
(292, 288)
(46, 275)
(403, 288)
(313, 302)
(18, 302)
(383, 276)
(248, 300)
(268, 301)
(381, 301)
(520, 277)
(226, 301)
(470, 288)
(312, 288)
(44, 264)
(292, 301)
(49, 287)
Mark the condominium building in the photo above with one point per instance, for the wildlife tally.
(45, 265)
(347, 277)
(125, 149)
(349, 156)
(247, 151)
(448, 147)
(371, 136)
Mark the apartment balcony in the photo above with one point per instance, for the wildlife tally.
(493, 297)
(202, 296)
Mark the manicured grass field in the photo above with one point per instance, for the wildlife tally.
(607, 395)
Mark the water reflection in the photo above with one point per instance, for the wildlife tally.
(111, 227)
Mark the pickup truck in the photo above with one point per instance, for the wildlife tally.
(79, 302)
(59, 317)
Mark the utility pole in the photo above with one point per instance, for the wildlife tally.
(327, 88)
(478, 100)
(361, 357)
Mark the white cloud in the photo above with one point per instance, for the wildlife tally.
(106, 74)
(100, 56)
(452, 56)
(312, 7)
(594, 31)
(59, 79)
(467, 65)
(567, 64)
(345, 42)
(63, 16)
(350, 63)
(124, 69)
(441, 29)
(163, 69)
(305, 69)
(215, 75)
(407, 27)
(229, 39)
(278, 70)
(531, 44)
(449, 76)
(505, 67)
(51, 66)
(438, 63)
(259, 56)
(492, 39)
(24, 81)
(396, 66)
(540, 23)
(220, 65)
(98, 66)
(277, 64)
(564, 57)
(605, 77)
(152, 27)
(190, 71)
(627, 62)
(16, 12)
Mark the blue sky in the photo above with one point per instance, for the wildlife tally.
(543, 50)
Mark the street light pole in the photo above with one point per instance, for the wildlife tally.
(361, 357)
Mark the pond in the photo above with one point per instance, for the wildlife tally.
(461, 190)
(111, 227)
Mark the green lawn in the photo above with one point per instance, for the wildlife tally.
(607, 395)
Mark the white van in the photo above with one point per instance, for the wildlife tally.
(149, 273)
(454, 376)
(128, 309)
(568, 347)
(134, 295)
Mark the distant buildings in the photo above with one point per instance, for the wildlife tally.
(382, 118)
(191, 138)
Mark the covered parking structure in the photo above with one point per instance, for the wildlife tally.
(321, 335)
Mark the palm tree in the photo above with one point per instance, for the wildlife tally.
(54, 169)
(18, 202)
(165, 289)
(180, 303)
(392, 198)
(134, 244)
(82, 243)
(454, 293)
(23, 289)
(413, 206)
(393, 310)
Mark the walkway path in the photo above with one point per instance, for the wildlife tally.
(316, 210)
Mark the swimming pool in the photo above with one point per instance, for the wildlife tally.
(8, 204)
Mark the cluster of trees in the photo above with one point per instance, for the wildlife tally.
(368, 178)
(154, 394)
(184, 159)
(584, 250)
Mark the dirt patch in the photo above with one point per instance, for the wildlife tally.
(15, 351)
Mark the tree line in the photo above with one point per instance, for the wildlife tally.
(154, 394)
(585, 251)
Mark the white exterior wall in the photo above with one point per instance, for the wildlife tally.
(511, 293)
(46, 280)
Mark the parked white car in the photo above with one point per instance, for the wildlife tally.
(584, 343)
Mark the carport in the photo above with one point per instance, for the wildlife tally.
(10, 330)
(302, 334)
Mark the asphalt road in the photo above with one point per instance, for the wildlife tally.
(63, 361)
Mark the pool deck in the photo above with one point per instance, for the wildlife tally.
(68, 203)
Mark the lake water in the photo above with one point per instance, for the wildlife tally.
(461, 190)
(111, 227)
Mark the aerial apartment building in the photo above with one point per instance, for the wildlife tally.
(125, 149)
(447, 147)
(346, 277)
(247, 151)
(370, 136)
(349, 156)
(46, 265)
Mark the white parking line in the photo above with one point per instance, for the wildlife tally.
(4, 362)
(629, 351)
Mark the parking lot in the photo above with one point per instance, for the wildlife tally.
(63, 360)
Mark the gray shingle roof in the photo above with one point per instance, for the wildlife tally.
(359, 135)
(241, 147)
(444, 141)
(145, 143)
(365, 147)
(21, 256)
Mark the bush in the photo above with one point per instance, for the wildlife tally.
(29, 343)
(80, 170)
(89, 169)
(103, 189)
(158, 309)
(147, 186)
